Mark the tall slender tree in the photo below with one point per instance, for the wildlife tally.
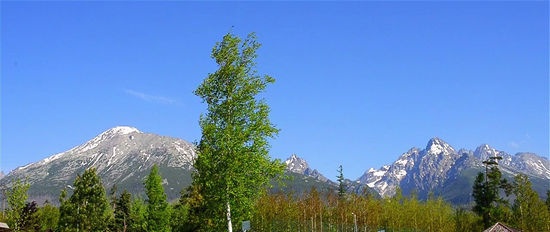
(528, 210)
(17, 198)
(87, 209)
(158, 214)
(486, 192)
(122, 211)
(341, 184)
(233, 165)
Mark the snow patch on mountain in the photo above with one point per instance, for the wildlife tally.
(437, 146)
(122, 130)
(109, 134)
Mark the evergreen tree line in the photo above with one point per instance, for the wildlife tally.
(90, 208)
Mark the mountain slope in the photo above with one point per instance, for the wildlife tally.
(121, 155)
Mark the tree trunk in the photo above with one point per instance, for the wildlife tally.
(229, 225)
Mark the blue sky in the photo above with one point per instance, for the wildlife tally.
(358, 83)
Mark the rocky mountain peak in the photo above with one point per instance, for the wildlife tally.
(296, 164)
(437, 146)
(106, 136)
(485, 151)
(120, 130)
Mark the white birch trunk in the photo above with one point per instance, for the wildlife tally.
(229, 225)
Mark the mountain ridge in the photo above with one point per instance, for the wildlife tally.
(439, 165)
(123, 155)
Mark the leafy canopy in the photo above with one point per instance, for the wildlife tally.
(233, 166)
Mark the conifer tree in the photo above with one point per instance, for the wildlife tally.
(192, 198)
(87, 209)
(17, 198)
(138, 211)
(48, 216)
(158, 214)
(341, 184)
(122, 211)
(488, 203)
(179, 218)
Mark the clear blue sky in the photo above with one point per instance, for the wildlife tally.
(358, 83)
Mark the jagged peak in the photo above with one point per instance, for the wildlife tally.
(437, 146)
(485, 151)
(296, 164)
(484, 147)
(435, 141)
(293, 158)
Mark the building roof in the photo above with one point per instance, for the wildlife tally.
(499, 227)
(4, 227)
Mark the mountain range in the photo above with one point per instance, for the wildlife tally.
(124, 155)
(442, 170)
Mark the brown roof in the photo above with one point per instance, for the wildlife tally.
(499, 227)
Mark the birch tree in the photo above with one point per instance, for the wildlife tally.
(233, 165)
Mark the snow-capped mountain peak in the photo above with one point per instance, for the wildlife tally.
(485, 151)
(437, 146)
(107, 135)
(296, 164)
(121, 130)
